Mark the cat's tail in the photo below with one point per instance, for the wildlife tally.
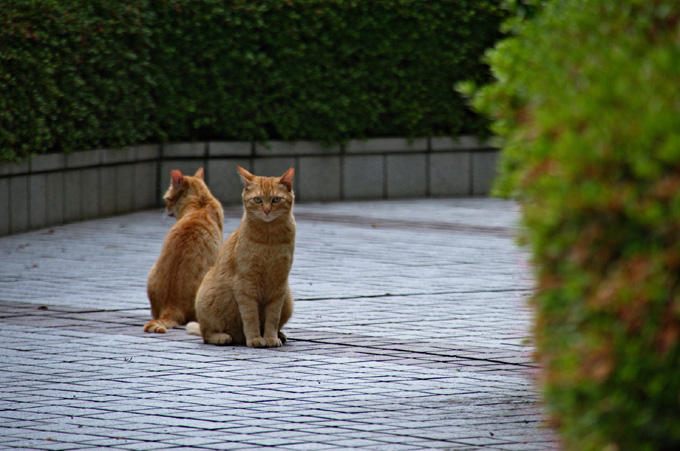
(194, 328)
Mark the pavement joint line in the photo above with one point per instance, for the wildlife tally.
(424, 293)
(331, 298)
(434, 354)
(407, 224)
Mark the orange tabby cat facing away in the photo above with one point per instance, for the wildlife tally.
(245, 297)
(189, 250)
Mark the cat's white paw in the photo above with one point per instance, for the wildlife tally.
(257, 342)
(194, 328)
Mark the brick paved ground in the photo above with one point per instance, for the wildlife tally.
(409, 333)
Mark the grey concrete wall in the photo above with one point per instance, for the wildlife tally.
(59, 188)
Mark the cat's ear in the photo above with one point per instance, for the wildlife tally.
(287, 179)
(176, 178)
(246, 176)
(200, 174)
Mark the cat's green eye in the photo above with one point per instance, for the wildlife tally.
(276, 200)
(257, 200)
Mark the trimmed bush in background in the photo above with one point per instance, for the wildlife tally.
(587, 101)
(104, 73)
(73, 74)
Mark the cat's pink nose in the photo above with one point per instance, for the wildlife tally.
(266, 210)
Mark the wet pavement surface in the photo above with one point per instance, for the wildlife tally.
(411, 331)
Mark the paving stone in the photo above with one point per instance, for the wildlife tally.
(410, 332)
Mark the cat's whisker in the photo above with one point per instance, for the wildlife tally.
(166, 215)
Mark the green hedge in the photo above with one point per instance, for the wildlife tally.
(105, 73)
(73, 74)
(587, 102)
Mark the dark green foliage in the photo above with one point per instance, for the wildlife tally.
(587, 102)
(73, 74)
(92, 73)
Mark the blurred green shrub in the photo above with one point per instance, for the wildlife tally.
(104, 73)
(587, 104)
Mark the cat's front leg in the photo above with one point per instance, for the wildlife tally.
(257, 342)
(247, 306)
(272, 318)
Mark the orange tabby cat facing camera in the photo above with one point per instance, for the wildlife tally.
(245, 298)
(189, 250)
